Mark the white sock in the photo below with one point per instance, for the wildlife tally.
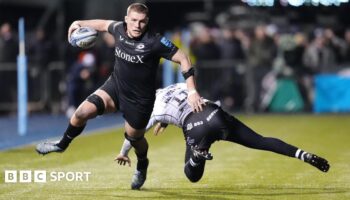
(300, 154)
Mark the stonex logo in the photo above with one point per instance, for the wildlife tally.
(130, 58)
(42, 176)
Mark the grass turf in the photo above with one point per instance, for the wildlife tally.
(235, 173)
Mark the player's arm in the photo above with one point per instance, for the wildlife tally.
(123, 157)
(159, 128)
(194, 98)
(97, 24)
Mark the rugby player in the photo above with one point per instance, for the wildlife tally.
(130, 88)
(202, 129)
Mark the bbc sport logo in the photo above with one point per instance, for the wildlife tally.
(42, 176)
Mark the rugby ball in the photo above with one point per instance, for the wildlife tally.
(83, 37)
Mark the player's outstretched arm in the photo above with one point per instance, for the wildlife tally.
(194, 99)
(159, 128)
(123, 157)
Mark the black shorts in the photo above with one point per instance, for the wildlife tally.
(205, 127)
(137, 117)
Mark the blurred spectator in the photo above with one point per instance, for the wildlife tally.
(80, 80)
(292, 47)
(230, 45)
(262, 50)
(302, 75)
(8, 44)
(232, 52)
(205, 49)
(40, 49)
(203, 45)
(8, 54)
(39, 55)
(261, 55)
(346, 48)
(294, 56)
(318, 57)
(335, 43)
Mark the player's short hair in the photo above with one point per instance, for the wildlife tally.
(138, 7)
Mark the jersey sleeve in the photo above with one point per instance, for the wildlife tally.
(112, 28)
(125, 148)
(164, 47)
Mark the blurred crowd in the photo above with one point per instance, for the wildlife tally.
(268, 53)
(84, 70)
(234, 65)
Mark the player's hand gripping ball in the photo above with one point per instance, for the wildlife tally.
(83, 37)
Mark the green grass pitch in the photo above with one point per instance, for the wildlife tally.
(235, 172)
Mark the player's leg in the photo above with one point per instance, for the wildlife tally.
(241, 134)
(194, 166)
(136, 119)
(96, 104)
(199, 136)
(139, 142)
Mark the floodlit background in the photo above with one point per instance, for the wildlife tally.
(282, 66)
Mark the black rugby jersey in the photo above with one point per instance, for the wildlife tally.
(136, 63)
